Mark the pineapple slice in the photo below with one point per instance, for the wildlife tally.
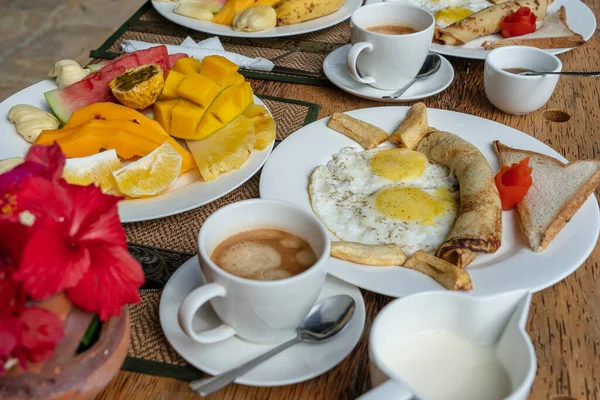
(225, 150)
(264, 125)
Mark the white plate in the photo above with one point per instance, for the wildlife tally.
(296, 364)
(579, 18)
(513, 266)
(166, 10)
(335, 69)
(177, 201)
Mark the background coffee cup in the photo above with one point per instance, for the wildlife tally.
(388, 61)
(498, 320)
(517, 94)
(258, 311)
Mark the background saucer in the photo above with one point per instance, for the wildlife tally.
(334, 67)
(296, 364)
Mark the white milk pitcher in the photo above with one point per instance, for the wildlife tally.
(447, 345)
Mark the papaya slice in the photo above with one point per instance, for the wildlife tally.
(128, 138)
(112, 111)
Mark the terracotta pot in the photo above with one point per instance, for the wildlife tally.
(68, 375)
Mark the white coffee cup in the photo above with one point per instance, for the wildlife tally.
(518, 94)
(498, 321)
(258, 311)
(388, 61)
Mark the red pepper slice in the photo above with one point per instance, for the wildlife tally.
(513, 183)
(519, 23)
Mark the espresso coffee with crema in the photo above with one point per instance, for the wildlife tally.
(391, 29)
(517, 70)
(264, 255)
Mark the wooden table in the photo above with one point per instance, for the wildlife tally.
(564, 320)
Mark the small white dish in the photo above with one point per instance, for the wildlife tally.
(517, 94)
(335, 69)
(296, 364)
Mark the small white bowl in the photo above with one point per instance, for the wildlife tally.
(518, 94)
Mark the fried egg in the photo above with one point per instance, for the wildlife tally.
(384, 196)
(447, 12)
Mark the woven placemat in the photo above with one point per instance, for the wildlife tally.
(162, 245)
(307, 51)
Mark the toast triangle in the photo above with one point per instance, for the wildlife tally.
(557, 192)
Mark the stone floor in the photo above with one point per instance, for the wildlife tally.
(36, 33)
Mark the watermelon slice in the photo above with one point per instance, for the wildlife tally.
(94, 87)
(173, 58)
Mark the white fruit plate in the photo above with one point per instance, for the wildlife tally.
(173, 201)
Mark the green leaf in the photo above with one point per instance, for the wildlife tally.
(91, 335)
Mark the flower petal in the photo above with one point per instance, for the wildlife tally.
(111, 282)
(44, 199)
(43, 161)
(51, 158)
(9, 335)
(51, 261)
(41, 331)
(95, 218)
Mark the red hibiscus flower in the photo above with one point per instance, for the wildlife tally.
(57, 237)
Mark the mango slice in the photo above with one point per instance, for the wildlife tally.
(226, 107)
(199, 89)
(220, 70)
(210, 124)
(186, 65)
(171, 84)
(185, 118)
(162, 112)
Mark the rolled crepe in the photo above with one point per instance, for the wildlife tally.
(486, 21)
(478, 227)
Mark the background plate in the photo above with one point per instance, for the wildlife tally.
(579, 18)
(513, 266)
(166, 10)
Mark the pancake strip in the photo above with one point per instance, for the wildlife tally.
(478, 227)
(486, 21)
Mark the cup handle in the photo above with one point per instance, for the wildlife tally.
(389, 390)
(355, 50)
(188, 308)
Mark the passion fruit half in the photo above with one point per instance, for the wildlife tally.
(139, 87)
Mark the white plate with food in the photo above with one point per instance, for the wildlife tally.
(343, 11)
(580, 20)
(185, 191)
(350, 194)
(335, 69)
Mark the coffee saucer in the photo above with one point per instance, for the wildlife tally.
(297, 364)
(334, 67)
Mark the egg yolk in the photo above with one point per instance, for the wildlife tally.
(399, 164)
(409, 203)
(450, 15)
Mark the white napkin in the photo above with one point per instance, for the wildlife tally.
(208, 47)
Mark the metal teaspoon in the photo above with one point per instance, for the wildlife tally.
(326, 319)
(432, 64)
